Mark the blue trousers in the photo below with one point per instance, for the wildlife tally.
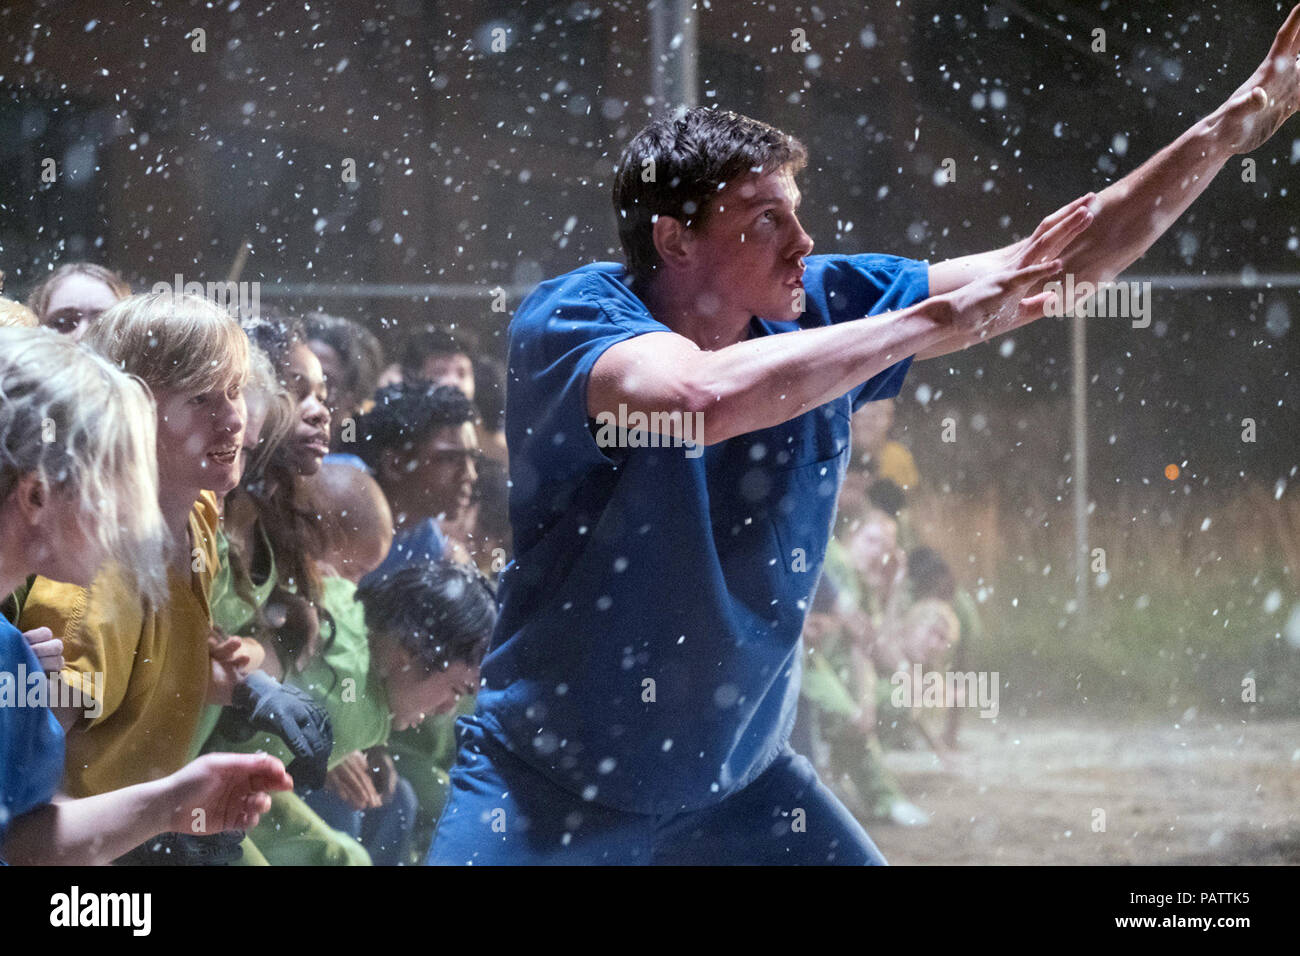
(502, 811)
(386, 832)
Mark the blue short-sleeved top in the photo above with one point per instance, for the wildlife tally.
(31, 740)
(647, 652)
(418, 543)
(343, 458)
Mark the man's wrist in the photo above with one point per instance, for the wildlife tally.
(941, 336)
(938, 311)
(1214, 135)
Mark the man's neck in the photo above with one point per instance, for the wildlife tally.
(683, 307)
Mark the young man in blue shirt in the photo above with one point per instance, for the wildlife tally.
(420, 443)
(643, 676)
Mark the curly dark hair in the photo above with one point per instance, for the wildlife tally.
(357, 347)
(407, 414)
(276, 333)
(283, 508)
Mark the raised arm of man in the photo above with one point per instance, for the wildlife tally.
(1132, 214)
(761, 382)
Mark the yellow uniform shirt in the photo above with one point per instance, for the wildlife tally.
(897, 464)
(149, 668)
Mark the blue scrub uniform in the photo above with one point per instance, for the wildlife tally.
(419, 543)
(646, 662)
(31, 740)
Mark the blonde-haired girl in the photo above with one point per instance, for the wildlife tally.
(80, 444)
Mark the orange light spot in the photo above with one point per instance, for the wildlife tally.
(1171, 472)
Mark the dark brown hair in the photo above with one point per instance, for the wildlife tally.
(675, 166)
(439, 612)
(278, 493)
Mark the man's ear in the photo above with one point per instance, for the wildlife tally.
(672, 241)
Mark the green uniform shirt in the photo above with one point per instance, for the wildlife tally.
(825, 671)
(234, 607)
(232, 612)
(423, 754)
(340, 679)
(292, 834)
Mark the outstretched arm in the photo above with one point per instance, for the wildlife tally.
(215, 793)
(1132, 214)
(767, 380)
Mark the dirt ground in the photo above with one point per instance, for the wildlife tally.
(1025, 791)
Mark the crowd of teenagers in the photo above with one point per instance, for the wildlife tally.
(248, 574)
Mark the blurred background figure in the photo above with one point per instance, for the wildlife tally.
(932, 579)
(854, 612)
(437, 354)
(874, 450)
(420, 443)
(503, 197)
(73, 294)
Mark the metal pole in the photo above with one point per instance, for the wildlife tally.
(674, 52)
(456, 290)
(1079, 362)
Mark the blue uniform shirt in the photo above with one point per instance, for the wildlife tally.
(418, 543)
(31, 740)
(647, 655)
(343, 458)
